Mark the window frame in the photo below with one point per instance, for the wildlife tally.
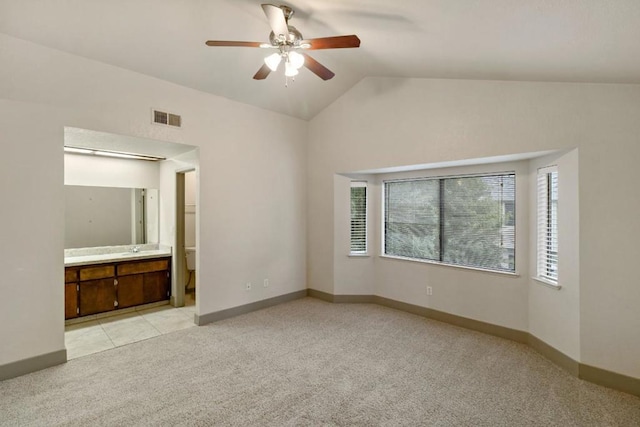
(441, 179)
(545, 224)
(352, 185)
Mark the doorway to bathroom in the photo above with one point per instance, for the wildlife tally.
(130, 202)
(186, 240)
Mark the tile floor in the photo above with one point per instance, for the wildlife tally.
(104, 333)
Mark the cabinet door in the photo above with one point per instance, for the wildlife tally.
(97, 296)
(70, 300)
(130, 290)
(156, 286)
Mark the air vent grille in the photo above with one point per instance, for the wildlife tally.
(175, 120)
(165, 118)
(160, 117)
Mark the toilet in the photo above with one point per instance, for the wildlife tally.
(190, 253)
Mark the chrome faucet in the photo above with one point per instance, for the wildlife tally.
(135, 249)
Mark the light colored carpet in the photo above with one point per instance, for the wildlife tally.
(308, 362)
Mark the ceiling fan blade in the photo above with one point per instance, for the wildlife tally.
(278, 24)
(232, 43)
(336, 42)
(262, 73)
(317, 68)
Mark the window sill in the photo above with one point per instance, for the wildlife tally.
(548, 283)
(356, 255)
(463, 267)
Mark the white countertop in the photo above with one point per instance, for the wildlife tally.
(84, 257)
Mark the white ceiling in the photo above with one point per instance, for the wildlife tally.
(533, 40)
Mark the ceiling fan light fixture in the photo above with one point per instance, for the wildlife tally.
(296, 60)
(273, 61)
(290, 70)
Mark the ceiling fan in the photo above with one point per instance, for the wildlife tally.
(290, 45)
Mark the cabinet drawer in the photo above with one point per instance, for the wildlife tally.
(98, 272)
(143, 267)
(70, 275)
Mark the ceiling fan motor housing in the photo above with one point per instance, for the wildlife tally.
(294, 37)
(287, 12)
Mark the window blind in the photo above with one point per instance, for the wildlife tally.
(477, 212)
(358, 217)
(548, 224)
(468, 221)
(412, 225)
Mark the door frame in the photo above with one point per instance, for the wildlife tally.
(180, 263)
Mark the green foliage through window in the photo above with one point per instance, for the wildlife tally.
(468, 220)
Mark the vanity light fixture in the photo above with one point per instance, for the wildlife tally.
(108, 153)
(75, 150)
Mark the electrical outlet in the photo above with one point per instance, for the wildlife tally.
(248, 286)
(266, 283)
(429, 290)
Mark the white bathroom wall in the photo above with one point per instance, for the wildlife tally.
(252, 185)
(110, 172)
(385, 122)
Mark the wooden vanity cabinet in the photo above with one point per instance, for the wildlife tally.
(130, 291)
(71, 289)
(97, 289)
(156, 286)
(97, 296)
(100, 288)
(148, 280)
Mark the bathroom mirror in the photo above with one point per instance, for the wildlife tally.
(110, 216)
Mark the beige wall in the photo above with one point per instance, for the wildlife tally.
(32, 252)
(260, 185)
(252, 178)
(385, 122)
(500, 299)
(554, 314)
(352, 275)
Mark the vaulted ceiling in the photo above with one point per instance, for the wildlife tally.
(532, 40)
